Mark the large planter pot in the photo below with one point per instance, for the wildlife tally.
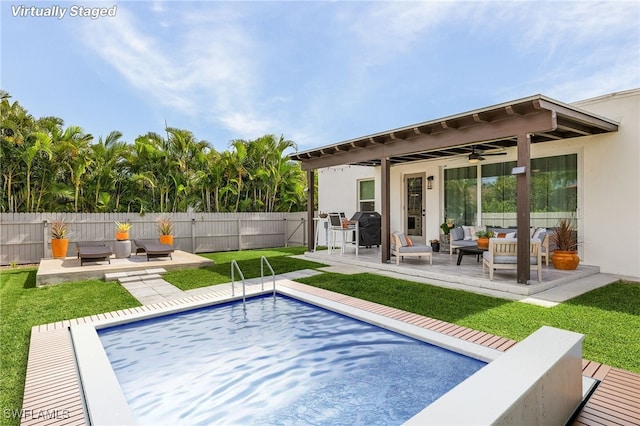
(483, 242)
(59, 248)
(122, 236)
(565, 260)
(166, 239)
(435, 247)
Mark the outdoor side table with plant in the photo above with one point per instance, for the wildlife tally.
(123, 244)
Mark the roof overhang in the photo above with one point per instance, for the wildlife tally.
(486, 129)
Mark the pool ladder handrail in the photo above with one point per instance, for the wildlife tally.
(264, 260)
(234, 267)
(233, 280)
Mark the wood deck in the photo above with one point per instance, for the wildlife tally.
(53, 393)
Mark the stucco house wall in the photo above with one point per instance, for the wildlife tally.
(608, 185)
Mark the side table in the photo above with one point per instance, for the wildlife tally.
(123, 249)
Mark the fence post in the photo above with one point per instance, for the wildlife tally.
(193, 235)
(45, 231)
(239, 234)
(286, 231)
(304, 231)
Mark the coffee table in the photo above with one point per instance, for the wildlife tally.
(462, 251)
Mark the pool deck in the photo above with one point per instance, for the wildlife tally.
(53, 393)
(55, 271)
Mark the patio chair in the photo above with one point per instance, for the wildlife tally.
(502, 254)
(93, 251)
(153, 248)
(400, 248)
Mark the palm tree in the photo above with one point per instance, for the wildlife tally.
(108, 156)
(39, 143)
(236, 168)
(16, 125)
(72, 145)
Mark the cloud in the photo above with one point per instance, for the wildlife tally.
(201, 66)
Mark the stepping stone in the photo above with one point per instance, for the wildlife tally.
(156, 271)
(114, 276)
(129, 279)
(150, 277)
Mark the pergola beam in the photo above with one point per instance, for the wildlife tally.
(543, 121)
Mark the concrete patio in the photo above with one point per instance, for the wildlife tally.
(556, 285)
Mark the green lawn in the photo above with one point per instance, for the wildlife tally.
(22, 306)
(249, 263)
(609, 317)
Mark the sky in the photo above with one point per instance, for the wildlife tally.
(316, 72)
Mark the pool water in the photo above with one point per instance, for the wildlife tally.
(282, 362)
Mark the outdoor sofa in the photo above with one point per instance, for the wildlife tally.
(153, 248)
(465, 236)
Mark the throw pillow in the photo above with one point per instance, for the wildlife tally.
(510, 235)
(501, 235)
(457, 234)
(403, 239)
(469, 231)
(539, 233)
(477, 229)
(409, 242)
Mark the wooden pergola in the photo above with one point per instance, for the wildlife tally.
(517, 123)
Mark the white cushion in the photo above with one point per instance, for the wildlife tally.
(538, 232)
(402, 238)
(476, 229)
(469, 232)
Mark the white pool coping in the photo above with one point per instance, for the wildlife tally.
(107, 405)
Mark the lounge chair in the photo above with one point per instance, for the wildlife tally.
(93, 251)
(153, 248)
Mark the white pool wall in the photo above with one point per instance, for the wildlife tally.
(538, 381)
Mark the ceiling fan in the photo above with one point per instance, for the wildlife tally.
(477, 155)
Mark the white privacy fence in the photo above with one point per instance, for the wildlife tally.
(25, 238)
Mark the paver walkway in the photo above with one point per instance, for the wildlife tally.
(148, 286)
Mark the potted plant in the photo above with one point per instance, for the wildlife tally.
(165, 227)
(122, 231)
(435, 245)
(565, 254)
(483, 239)
(446, 227)
(59, 242)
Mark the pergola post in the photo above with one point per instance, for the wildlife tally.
(385, 167)
(311, 195)
(523, 185)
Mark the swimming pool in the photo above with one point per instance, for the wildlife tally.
(537, 381)
(282, 362)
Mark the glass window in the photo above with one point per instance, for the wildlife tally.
(554, 184)
(499, 195)
(366, 195)
(461, 195)
(554, 192)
